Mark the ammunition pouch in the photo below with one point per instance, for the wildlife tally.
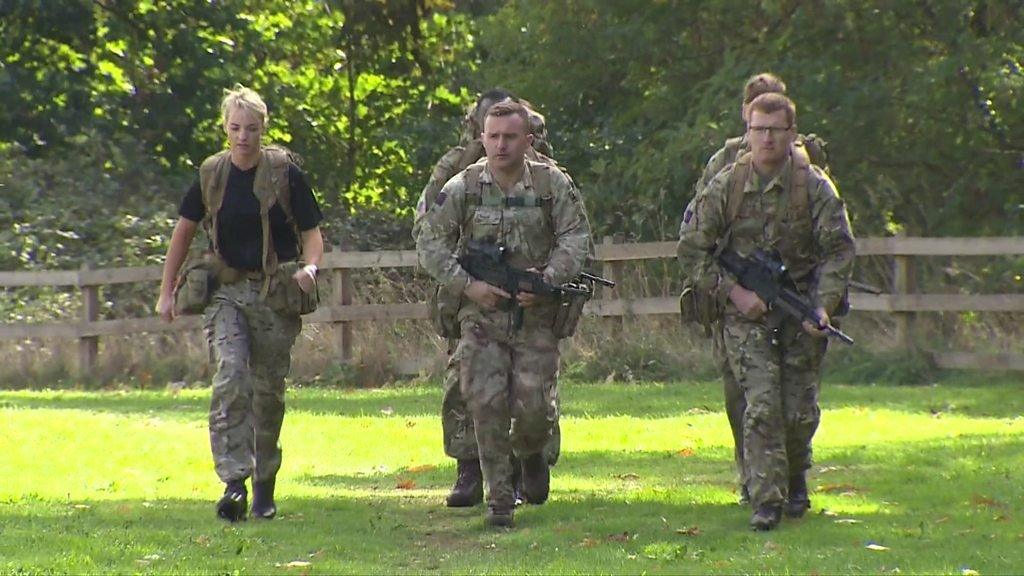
(699, 304)
(194, 285)
(443, 309)
(567, 317)
(286, 296)
(843, 308)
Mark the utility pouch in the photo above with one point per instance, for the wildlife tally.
(194, 287)
(444, 312)
(287, 296)
(698, 304)
(567, 317)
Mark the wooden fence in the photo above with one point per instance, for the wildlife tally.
(903, 302)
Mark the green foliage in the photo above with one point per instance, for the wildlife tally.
(923, 102)
(102, 202)
(362, 90)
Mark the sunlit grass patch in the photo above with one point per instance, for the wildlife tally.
(920, 480)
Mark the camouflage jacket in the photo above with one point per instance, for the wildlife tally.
(454, 161)
(817, 246)
(551, 233)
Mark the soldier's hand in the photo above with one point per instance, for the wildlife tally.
(747, 302)
(819, 330)
(529, 299)
(165, 307)
(306, 278)
(484, 294)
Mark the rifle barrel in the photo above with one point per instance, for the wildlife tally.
(597, 279)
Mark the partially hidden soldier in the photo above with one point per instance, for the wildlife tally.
(815, 148)
(251, 284)
(507, 370)
(456, 423)
(774, 199)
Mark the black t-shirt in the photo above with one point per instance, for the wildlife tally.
(239, 228)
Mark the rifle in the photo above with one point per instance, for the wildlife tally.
(486, 262)
(764, 274)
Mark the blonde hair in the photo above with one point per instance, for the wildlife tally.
(246, 99)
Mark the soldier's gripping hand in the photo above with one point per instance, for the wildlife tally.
(748, 303)
(484, 294)
(529, 299)
(819, 330)
(305, 277)
(165, 307)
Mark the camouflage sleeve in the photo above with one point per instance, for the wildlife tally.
(715, 164)
(444, 170)
(703, 224)
(572, 230)
(437, 236)
(834, 241)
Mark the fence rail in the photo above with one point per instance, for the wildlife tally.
(903, 302)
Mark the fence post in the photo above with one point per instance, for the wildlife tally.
(614, 273)
(342, 296)
(88, 346)
(904, 284)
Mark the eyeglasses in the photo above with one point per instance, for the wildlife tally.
(772, 131)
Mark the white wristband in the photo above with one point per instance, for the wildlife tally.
(310, 270)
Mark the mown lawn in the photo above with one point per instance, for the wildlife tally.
(908, 480)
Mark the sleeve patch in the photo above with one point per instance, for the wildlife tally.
(687, 216)
(441, 198)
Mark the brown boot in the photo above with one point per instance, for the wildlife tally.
(499, 517)
(766, 517)
(232, 505)
(799, 501)
(536, 478)
(263, 506)
(469, 486)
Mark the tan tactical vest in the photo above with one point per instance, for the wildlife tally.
(478, 198)
(270, 187)
(792, 224)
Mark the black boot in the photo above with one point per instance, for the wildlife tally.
(263, 506)
(233, 504)
(469, 486)
(517, 481)
(499, 517)
(798, 501)
(766, 517)
(536, 478)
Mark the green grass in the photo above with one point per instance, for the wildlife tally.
(122, 482)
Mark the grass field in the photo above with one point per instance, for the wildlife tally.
(907, 480)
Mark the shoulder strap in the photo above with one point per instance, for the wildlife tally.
(541, 175)
(280, 160)
(213, 178)
(799, 197)
(737, 182)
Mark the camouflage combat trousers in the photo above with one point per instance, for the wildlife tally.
(251, 345)
(457, 423)
(509, 383)
(779, 372)
(735, 403)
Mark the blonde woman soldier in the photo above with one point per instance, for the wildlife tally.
(251, 285)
